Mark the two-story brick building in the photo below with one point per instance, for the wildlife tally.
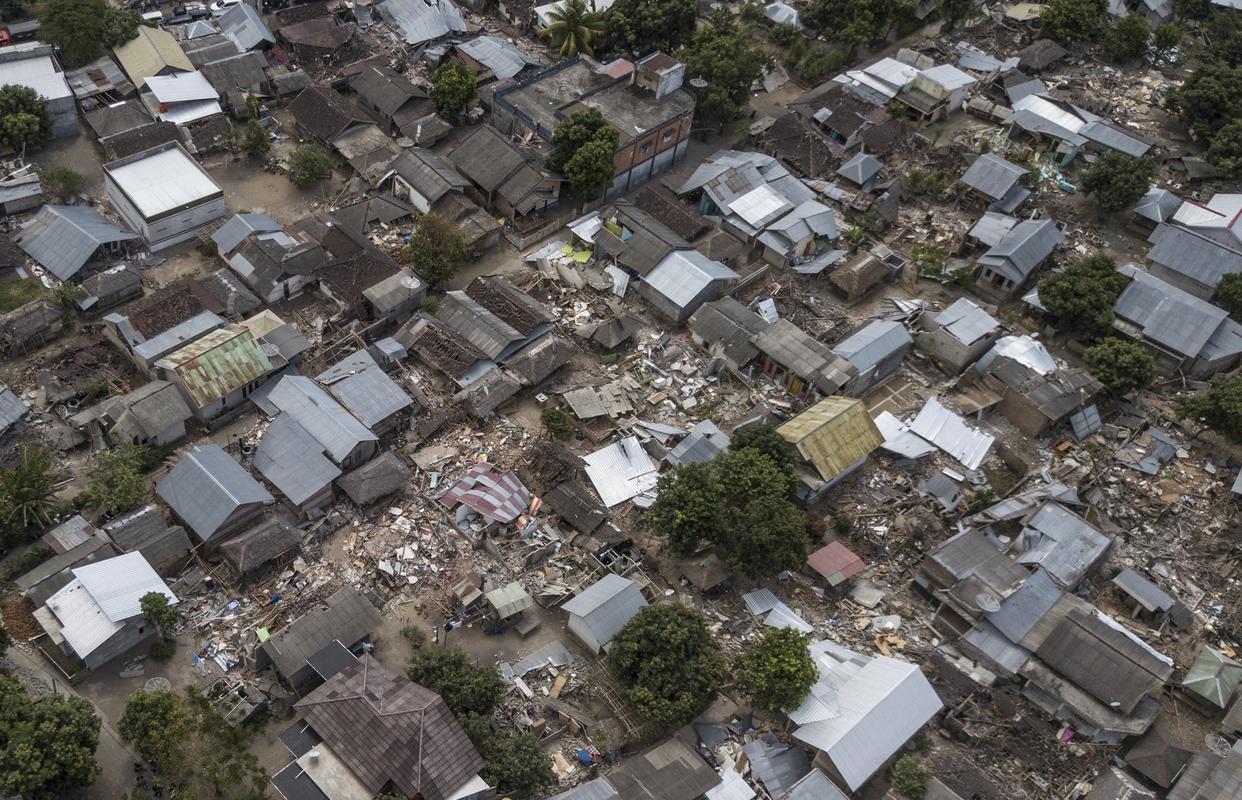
(645, 102)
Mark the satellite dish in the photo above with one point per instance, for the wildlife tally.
(411, 282)
(405, 141)
(698, 83)
(987, 602)
(157, 684)
(1217, 744)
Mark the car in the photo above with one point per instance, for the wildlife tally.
(153, 18)
(192, 10)
(220, 6)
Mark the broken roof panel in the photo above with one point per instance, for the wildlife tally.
(1061, 542)
(500, 56)
(704, 442)
(950, 433)
(422, 21)
(364, 388)
(499, 497)
(63, 238)
(966, 322)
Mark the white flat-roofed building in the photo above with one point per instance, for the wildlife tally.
(31, 64)
(163, 194)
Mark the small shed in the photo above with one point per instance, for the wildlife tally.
(375, 480)
(835, 563)
(1212, 679)
(598, 612)
(509, 600)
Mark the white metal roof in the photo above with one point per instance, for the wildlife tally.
(621, 471)
(760, 206)
(83, 623)
(185, 113)
(950, 433)
(1024, 350)
(118, 584)
(38, 73)
(181, 87)
(683, 274)
(162, 181)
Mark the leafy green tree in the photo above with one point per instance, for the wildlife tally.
(1192, 9)
(66, 297)
(639, 27)
(955, 12)
(11, 10)
(1223, 45)
(819, 62)
(452, 88)
(5, 640)
(766, 537)
(777, 671)
(855, 22)
(721, 55)
(1122, 366)
(557, 423)
(253, 139)
(1219, 407)
(764, 438)
(1126, 39)
(910, 777)
(580, 128)
(583, 147)
(1080, 299)
(785, 34)
(517, 766)
(1117, 181)
(687, 507)
(309, 164)
(24, 121)
(1225, 151)
(1166, 36)
(1210, 98)
(668, 663)
(748, 474)
(116, 483)
(1229, 295)
(84, 29)
(28, 493)
(575, 29)
(158, 725)
(156, 611)
(467, 688)
(1070, 21)
(437, 248)
(61, 182)
(47, 746)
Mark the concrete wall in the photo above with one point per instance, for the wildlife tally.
(578, 626)
(949, 351)
(1183, 282)
(169, 231)
(130, 636)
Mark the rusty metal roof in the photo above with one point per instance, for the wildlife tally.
(218, 364)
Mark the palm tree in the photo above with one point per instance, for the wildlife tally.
(28, 491)
(575, 27)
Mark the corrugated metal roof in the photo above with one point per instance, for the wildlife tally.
(1110, 136)
(337, 431)
(760, 206)
(834, 434)
(1158, 205)
(950, 433)
(861, 168)
(1213, 677)
(1003, 654)
(293, 460)
(179, 334)
(12, 409)
(683, 274)
(150, 52)
(84, 625)
(607, 605)
(206, 486)
(218, 364)
(949, 77)
(1022, 610)
(1168, 316)
(815, 786)
(504, 59)
(1023, 349)
(966, 322)
(598, 789)
(1148, 594)
(836, 562)
(240, 226)
(1023, 248)
(1061, 542)
(873, 344)
(899, 440)
(118, 584)
(160, 181)
(63, 238)
(364, 388)
(732, 786)
(775, 765)
(868, 709)
(621, 471)
(509, 599)
(348, 618)
(423, 22)
(181, 87)
(1193, 255)
(704, 442)
(243, 25)
(992, 175)
(36, 71)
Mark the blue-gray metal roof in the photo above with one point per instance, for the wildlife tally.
(1023, 249)
(235, 231)
(338, 431)
(12, 409)
(364, 388)
(992, 227)
(704, 442)
(861, 168)
(502, 58)
(598, 789)
(683, 274)
(1022, 610)
(1112, 137)
(607, 605)
(874, 343)
(992, 175)
(63, 238)
(206, 486)
(1197, 257)
(245, 27)
(1168, 316)
(421, 22)
(815, 786)
(1158, 205)
(966, 321)
(1151, 596)
(777, 766)
(293, 460)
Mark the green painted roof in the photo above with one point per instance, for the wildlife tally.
(1213, 677)
(218, 364)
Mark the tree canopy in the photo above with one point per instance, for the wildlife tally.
(1070, 21)
(1117, 181)
(1225, 151)
(1219, 407)
(157, 725)
(640, 27)
(84, 29)
(115, 483)
(452, 88)
(1210, 98)
(721, 55)
(777, 671)
(582, 150)
(517, 766)
(1122, 366)
(155, 610)
(764, 438)
(1080, 299)
(668, 663)
(47, 746)
(1224, 44)
(466, 687)
(856, 22)
(1126, 39)
(309, 164)
(1229, 295)
(575, 29)
(437, 248)
(24, 121)
(27, 495)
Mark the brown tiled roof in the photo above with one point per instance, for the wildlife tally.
(386, 728)
(792, 140)
(515, 307)
(325, 112)
(172, 305)
(678, 217)
(347, 279)
(879, 140)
